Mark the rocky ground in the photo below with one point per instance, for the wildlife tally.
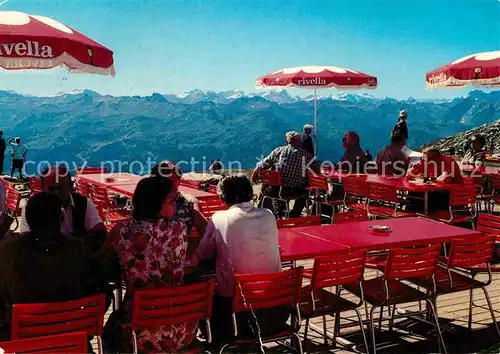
(458, 141)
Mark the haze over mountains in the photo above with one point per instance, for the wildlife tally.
(86, 126)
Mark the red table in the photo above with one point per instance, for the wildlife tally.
(480, 171)
(404, 232)
(129, 189)
(111, 179)
(298, 246)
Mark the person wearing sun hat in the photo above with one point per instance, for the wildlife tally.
(401, 128)
(307, 139)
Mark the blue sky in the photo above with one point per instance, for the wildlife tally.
(175, 46)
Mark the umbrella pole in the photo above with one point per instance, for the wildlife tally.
(315, 122)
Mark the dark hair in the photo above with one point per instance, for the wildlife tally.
(43, 212)
(235, 189)
(149, 197)
(396, 139)
(166, 169)
(61, 170)
(481, 139)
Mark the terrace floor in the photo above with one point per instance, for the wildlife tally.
(410, 336)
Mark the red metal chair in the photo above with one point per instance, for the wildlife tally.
(109, 212)
(388, 203)
(318, 188)
(75, 342)
(354, 215)
(35, 185)
(273, 178)
(37, 320)
(389, 290)
(7, 183)
(495, 194)
(356, 191)
(329, 271)
(91, 170)
(82, 187)
(470, 253)
(12, 203)
(170, 306)
(259, 291)
(190, 184)
(297, 222)
(462, 206)
(209, 206)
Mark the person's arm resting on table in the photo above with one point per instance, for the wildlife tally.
(96, 230)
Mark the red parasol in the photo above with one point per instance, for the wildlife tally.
(318, 77)
(38, 42)
(481, 69)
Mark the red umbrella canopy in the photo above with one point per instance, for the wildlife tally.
(318, 77)
(38, 42)
(481, 69)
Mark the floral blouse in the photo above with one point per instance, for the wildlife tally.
(152, 255)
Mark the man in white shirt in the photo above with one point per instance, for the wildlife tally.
(244, 240)
(80, 216)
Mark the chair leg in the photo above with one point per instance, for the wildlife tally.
(391, 322)
(299, 344)
(306, 330)
(134, 342)
(100, 350)
(372, 329)
(438, 328)
(380, 318)
(367, 349)
(325, 337)
(493, 317)
(471, 305)
(223, 348)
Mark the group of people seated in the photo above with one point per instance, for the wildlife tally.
(294, 162)
(65, 253)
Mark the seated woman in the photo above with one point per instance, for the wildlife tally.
(244, 240)
(43, 265)
(354, 159)
(152, 250)
(443, 169)
(476, 154)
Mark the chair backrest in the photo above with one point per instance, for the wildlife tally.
(12, 201)
(258, 291)
(356, 186)
(171, 306)
(351, 216)
(317, 181)
(212, 189)
(338, 269)
(463, 195)
(190, 184)
(383, 192)
(90, 170)
(82, 187)
(35, 185)
(296, 222)
(36, 320)
(495, 182)
(6, 183)
(270, 177)
(404, 263)
(471, 251)
(488, 224)
(209, 206)
(75, 342)
(99, 195)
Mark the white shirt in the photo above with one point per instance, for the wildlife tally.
(244, 240)
(92, 218)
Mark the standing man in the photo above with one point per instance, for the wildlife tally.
(401, 128)
(307, 139)
(3, 146)
(19, 151)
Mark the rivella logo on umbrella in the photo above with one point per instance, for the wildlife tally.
(316, 81)
(438, 78)
(26, 49)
